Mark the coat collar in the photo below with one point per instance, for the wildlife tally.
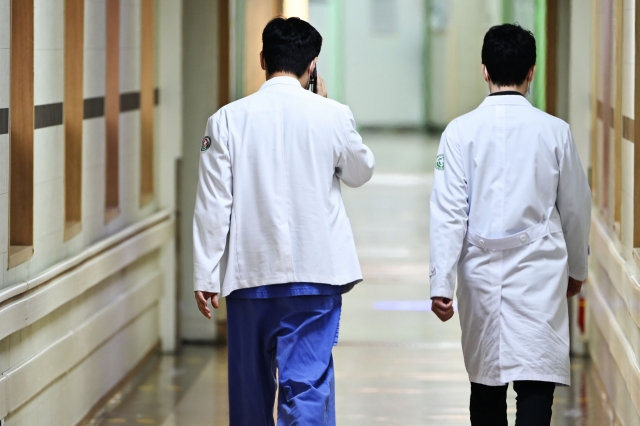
(289, 81)
(505, 100)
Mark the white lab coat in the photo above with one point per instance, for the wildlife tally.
(269, 208)
(510, 217)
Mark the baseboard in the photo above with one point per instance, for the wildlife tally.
(124, 387)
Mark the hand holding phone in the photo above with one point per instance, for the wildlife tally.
(316, 84)
(313, 80)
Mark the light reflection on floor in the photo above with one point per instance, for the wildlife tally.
(408, 305)
(396, 364)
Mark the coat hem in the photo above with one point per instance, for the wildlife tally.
(490, 381)
(284, 279)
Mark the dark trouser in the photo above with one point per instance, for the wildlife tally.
(488, 404)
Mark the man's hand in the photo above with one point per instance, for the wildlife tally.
(322, 89)
(574, 287)
(201, 299)
(442, 307)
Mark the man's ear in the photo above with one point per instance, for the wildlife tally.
(532, 73)
(485, 73)
(262, 62)
(313, 65)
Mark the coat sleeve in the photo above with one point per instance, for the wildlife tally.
(212, 215)
(574, 205)
(449, 214)
(355, 162)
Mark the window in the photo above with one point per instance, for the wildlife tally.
(384, 17)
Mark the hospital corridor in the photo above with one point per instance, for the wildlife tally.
(396, 363)
(124, 125)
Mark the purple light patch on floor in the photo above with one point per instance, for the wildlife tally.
(407, 305)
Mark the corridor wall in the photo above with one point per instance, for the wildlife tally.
(328, 18)
(80, 313)
(454, 39)
(253, 15)
(201, 88)
(382, 62)
(454, 79)
(613, 287)
(531, 14)
(580, 58)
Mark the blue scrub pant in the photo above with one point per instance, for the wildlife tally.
(296, 336)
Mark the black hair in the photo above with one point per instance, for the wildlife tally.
(289, 45)
(508, 52)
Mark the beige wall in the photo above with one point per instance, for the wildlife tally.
(169, 132)
(382, 62)
(580, 64)
(298, 8)
(456, 82)
(200, 62)
(98, 303)
(613, 288)
(257, 14)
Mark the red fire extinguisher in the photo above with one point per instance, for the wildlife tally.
(582, 313)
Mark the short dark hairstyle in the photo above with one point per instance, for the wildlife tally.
(289, 45)
(508, 52)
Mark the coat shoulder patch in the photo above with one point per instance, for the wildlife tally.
(440, 162)
(206, 143)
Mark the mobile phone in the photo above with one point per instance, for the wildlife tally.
(313, 80)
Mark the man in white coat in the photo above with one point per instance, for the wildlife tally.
(272, 235)
(510, 217)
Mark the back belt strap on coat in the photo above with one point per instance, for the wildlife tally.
(520, 239)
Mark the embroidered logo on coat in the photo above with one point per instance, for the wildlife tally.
(206, 143)
(440, 162)
(432, 270)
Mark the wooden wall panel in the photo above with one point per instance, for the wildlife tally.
(606, 76)
(73, 114)
(147, 104)
(258, 14)
(21, 133)
(636, 151)
(112, 110)
(594, 172)
(628, 128)
(224, 77)
(617, 115)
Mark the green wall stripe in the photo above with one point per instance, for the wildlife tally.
(539, 95)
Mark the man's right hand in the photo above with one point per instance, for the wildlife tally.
(574, 287)
(322, 89)
(442, 307)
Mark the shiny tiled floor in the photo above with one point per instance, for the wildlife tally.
(396, 364)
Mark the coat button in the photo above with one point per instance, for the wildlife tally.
(523, 238)
(481, 242)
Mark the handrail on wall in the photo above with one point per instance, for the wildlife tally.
(91, 251)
